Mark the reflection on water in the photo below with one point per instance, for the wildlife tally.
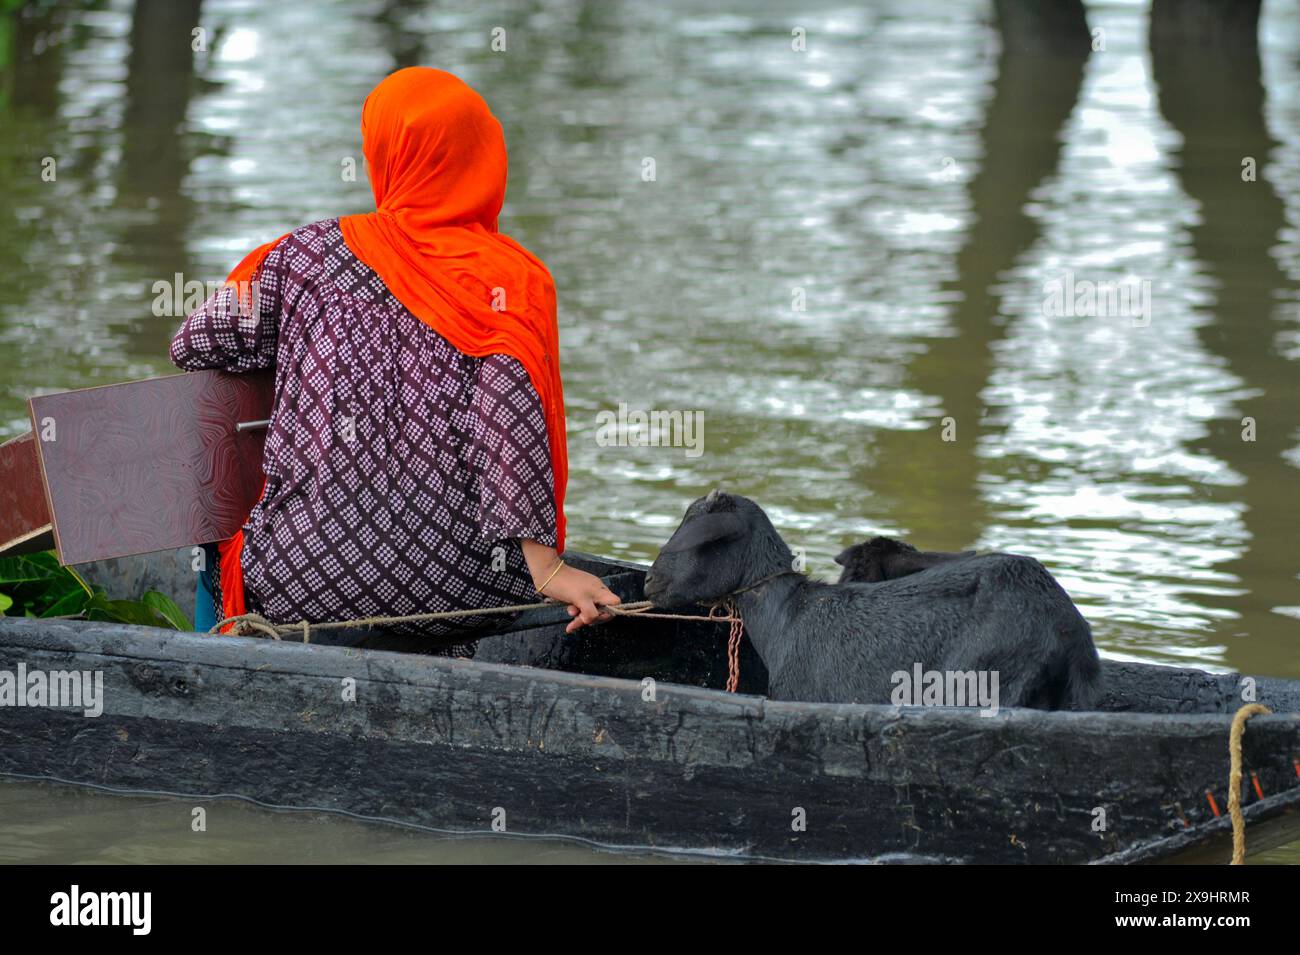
(913, 180)
(60, 825)
(49, 824)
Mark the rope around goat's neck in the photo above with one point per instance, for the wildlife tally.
(1234, 777)
(728, 600)
(639, 609)
(725, 609)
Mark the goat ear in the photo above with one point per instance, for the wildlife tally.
(905, 563)
(706, 529)
(911, 562)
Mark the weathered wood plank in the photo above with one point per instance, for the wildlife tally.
(25, 524)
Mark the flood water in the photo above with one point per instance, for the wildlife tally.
(839, 249)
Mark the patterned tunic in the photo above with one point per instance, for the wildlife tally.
(400, 472)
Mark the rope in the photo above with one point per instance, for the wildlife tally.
(258, 622)
(759, 583)
(1234, 778)
(245, 622)
(728, 612)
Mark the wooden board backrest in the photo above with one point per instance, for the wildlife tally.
(24, 515)
(150, 465)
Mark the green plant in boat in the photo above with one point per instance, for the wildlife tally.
(35, 585)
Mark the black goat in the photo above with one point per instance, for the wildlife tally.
(847, 643)
(883, 558)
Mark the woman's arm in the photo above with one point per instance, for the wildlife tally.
(557, 580)
(235, 329)
(509, 456)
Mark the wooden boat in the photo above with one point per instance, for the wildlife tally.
(621, 737)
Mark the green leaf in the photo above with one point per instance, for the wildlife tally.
(36, 585)
(73, 602)
(166, 608)
(30, 568)
(37, 582)
(123, 611)
(80, 582)
(53, 591)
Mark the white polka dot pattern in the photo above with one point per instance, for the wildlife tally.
(400, 472)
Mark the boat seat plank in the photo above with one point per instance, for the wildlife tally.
(150, 465)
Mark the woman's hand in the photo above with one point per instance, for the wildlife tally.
(580, 590)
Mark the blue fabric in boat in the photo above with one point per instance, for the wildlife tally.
(205, 600)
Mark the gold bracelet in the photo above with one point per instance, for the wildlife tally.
(558, 564)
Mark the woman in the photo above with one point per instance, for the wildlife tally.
(415, 461)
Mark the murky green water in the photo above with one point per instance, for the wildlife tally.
(915, 187)
(60, 825)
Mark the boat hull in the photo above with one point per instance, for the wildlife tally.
(462, 745)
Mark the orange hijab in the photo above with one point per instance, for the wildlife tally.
(436, 157)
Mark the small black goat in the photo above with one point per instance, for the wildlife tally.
(844, 643)
(883, 558)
